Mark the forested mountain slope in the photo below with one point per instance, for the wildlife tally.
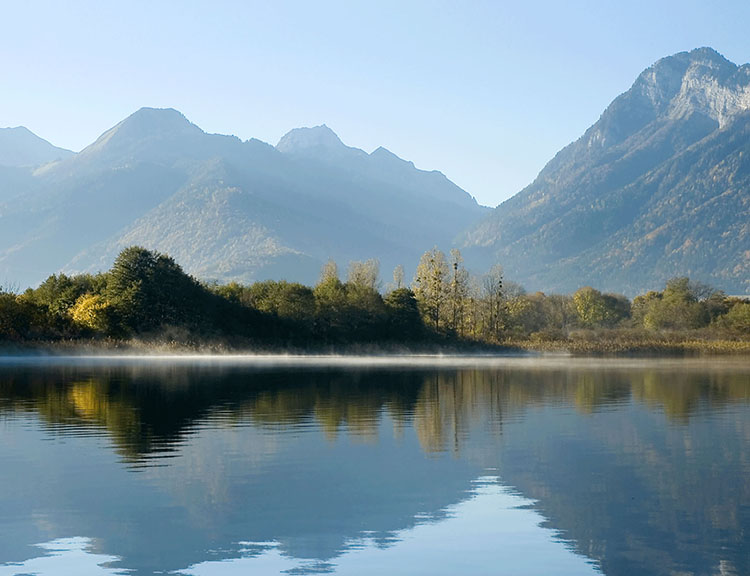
(658, 187)
(226, 209)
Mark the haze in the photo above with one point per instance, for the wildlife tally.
(486, 93)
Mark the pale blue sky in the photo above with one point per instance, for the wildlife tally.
(485, 92)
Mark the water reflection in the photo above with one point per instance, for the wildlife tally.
(501, 521)
(640, 469)
(66, 557)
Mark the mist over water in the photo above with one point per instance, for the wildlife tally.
(403, 360)
(264, 464)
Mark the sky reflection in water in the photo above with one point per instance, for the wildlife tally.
(492, 531)
(624, 467)
(65, 557)
(492, 528)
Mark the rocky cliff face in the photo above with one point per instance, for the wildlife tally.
(627, 205)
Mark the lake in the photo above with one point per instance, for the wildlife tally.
(427, 465)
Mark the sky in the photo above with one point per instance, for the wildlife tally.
(485, 92)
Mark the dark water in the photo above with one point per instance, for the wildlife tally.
(519, 466)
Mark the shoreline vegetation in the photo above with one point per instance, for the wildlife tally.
(146, 303)
(687, 347)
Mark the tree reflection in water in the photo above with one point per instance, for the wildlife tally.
(640, 468)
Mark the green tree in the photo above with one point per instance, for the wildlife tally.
(287, 300)
(677, 309)
(18, 317)
(59, 292)
(526, 313)
(330, 302)
(737, 319)
(366, 312)
(560, 313)
(404, 319)
(148, 290)
(233, 292)
(642, 305)
(590, 307)
(595, 309)
(618, 308)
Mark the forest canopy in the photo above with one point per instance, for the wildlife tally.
(147, 295)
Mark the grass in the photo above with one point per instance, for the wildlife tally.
(627, 343)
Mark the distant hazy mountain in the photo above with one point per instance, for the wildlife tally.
(224, 208)
(658, 187)
(20, 147)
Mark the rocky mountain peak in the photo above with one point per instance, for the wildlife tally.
(657, 187)
(700, 82)
(670, 76)
(302, 140)
(148, 132)
(147, 120)
(146, 124)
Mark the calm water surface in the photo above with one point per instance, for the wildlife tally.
(473, 466)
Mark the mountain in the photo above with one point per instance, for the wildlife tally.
(658, 187)
(225, 209)
(20, 147)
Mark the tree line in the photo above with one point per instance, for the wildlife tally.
(147, 294)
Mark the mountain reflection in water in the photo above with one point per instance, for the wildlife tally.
(640, 469)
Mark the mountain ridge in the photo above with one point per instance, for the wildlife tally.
(656, 187)
(597, 188)
(20, 147)
(226, 209)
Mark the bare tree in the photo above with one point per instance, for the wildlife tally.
(364, 274)
(398, 277)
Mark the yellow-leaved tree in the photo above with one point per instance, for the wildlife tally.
(91, 311)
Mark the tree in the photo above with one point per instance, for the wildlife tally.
(617, 308)
(458, 292)
(59, 292)
(560, 313)
(526, 313)
(398, 277)
(677, 309)
(148, 290)
(329, 271)
(430, 285)
(286, 300)
(366, 313)
(234, 292)
(717, 304)
(737, 319)
(404, 320)
(19, 317)
(595, 309)
(330, 300)
(92, 311)
(590, 307)
(364, 274)
(642, 305)
(494, 302)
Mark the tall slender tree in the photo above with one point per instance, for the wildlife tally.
(458, 292)
(430, 286)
